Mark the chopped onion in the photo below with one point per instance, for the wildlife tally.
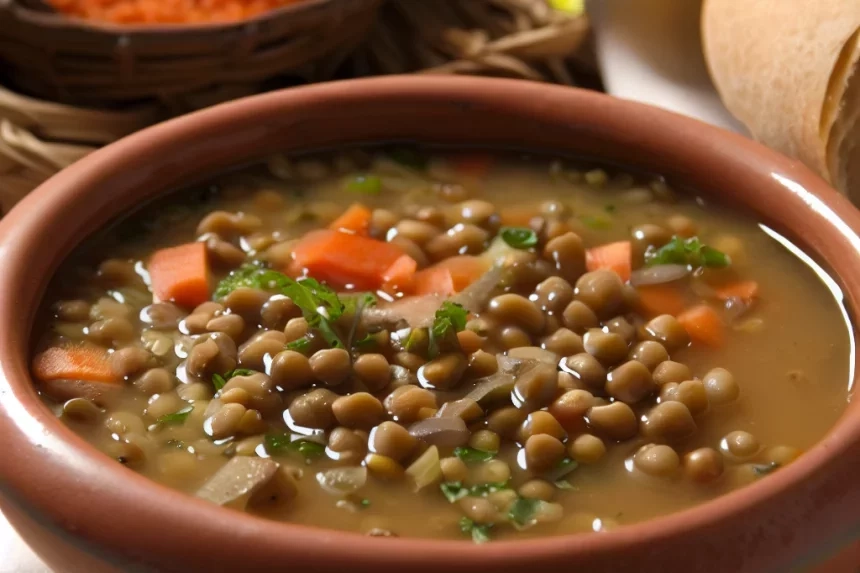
(658, 275)
(476, 296)
(491, 387)
(534, 353)
(446, 432)
(233, 485)
(342, 481)
(426, 470)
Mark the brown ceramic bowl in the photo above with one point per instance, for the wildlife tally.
(81, 511)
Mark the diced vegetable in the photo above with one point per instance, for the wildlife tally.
(235, 483)
(444, 432)
(426, 470)
(470, 455)
(692, 252)
(342, 481)
(449, 276)
(80, 362)
(449, 320)
(613, 256)
(744, 290)
(367, 184)
(519, 237)
(343, 259)
(180, 274)
(433, 280)
(356, 220)
(655, 300)
(659, 274)
(703, 324)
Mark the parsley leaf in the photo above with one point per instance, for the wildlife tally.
(176, 417)
(284, 443)
(519, 237)
(523, 510)
(301, 345)
(479, 533)
(469, 455)
(449, 320)
(219, 380)
(455, 490)
(691, 252)
(251, 275)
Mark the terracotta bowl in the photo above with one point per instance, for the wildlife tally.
(82, 511)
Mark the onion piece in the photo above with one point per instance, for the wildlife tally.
(476, 296)
(342, 481)
(426, 470)
(492, 387)
(525, 353)
(446, 432)
(413, 311)
(658, 275)
(235, 483)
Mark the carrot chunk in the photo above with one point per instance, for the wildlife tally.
(613, 256)
(343, 259)
(181, 274)
(356, 219)
(744, 290)
(464, 269)
(655, 300)
(434, 280)
(82, 362)
(703, 324)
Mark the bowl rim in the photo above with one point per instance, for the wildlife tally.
(68, 457)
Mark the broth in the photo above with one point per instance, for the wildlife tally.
(141, 380)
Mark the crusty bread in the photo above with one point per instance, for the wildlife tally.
(790, 71)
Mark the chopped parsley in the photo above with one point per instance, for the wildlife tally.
(455, 490)
(470, 455)
(301, 345)
(320, 305)
(519, 237)
(176, 417)
(220, 380)
(691, 252)
(523, 510)
(480, 533)
(366, 184)
(284, 443)
(449, 320)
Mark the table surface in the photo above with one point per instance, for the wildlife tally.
(648, 51)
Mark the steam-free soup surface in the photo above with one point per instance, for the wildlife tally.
(454, 345)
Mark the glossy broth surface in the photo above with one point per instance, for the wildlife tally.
(145, 391)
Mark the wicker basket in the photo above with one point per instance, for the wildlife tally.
(75, 61)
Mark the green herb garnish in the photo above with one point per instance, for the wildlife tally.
(220, 380)
(364, 502)
(596, 222)
(691, 252)
(455, 490)
(519, 237)
(301, 345)
(523, 510)
(479, 533)
(320, 305)
(366, 341)
(408, 157)
(761, 470)
(449, 320)
(176, 417)
(367, 184)
(284, 443)
(470, 455)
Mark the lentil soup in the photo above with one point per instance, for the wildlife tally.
(443, 344)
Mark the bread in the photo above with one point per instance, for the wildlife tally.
(790, 71)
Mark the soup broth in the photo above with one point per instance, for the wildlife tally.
(498, 346)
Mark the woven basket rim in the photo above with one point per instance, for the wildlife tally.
(58, 20)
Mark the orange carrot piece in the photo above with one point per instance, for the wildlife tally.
(83, 362)
(613, 256)
(703, 324)
(356, 219)
(472, 164)
(433, 280)
(343, 259)
(400, 274)
(464, 269)
(655, 300)
(181, 274)
(744, 290)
